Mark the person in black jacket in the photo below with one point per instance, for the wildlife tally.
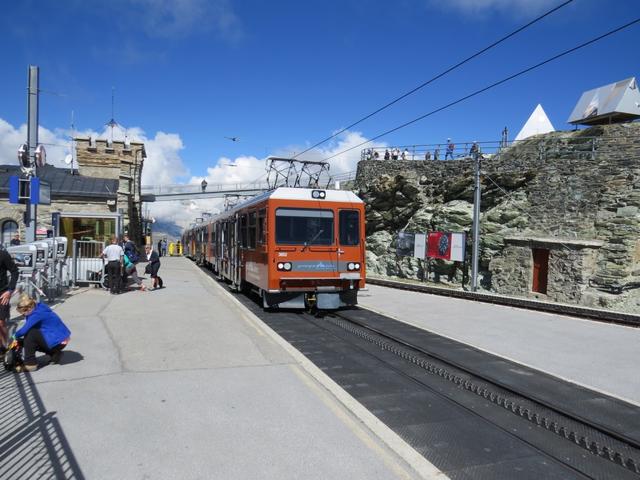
(7, 265)
(153, 266)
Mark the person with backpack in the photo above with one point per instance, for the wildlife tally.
(130, 250)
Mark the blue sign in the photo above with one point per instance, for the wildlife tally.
(35, 190)
(14, 189)
(23, 189)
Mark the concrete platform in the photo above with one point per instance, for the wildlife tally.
(180, 383)
(596, 355)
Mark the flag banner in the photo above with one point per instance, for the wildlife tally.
(439, 245)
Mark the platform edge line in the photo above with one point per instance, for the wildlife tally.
(406, 452)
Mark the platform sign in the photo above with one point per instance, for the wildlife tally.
(458, 242)
(406, 242)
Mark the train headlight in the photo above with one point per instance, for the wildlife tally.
(280, 266)
(351, 266)
(286, 266)
(318, 194)
(357, 265)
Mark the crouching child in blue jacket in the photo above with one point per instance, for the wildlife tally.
(42, 332)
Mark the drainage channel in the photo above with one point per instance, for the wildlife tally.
(465, 425)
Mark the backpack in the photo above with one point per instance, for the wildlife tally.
(132, 252)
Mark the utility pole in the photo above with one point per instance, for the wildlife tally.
(476, 224)
(31, 213)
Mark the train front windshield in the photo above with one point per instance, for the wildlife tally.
(301, 226)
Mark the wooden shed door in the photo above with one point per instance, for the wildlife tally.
(540, 270)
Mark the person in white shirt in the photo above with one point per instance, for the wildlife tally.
(113, 254)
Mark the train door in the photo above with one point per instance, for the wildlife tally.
(350, 247)
(225, 249)
(218, 252)
(236, 252)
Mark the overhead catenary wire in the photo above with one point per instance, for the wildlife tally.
(438, 76)
(488, 87)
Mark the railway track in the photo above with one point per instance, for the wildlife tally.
(471, 414)
(610, 439)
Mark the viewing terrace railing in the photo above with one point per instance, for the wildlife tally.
(431, 151)
(561, 145)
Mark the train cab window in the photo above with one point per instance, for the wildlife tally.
(297, 226)
(252, 230)
(349, 224)
(243, 230)
(262, 218)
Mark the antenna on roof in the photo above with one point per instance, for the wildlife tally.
(112, 123)
(69, 158)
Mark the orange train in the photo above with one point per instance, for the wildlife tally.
(295, 247)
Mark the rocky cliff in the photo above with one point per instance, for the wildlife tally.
(573, 194)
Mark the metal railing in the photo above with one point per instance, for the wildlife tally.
(194, 191)
(563, 144)
(87, 263)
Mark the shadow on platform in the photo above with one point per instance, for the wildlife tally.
(32, 443)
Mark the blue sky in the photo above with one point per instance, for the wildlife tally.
(284, 74)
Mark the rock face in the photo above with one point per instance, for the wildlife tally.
(560, 216)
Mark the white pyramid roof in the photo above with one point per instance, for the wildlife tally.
(538, 123)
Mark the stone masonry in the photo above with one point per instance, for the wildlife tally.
(123, 162)
(575, 194)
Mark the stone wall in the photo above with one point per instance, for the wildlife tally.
(576, 194)
(121, 161)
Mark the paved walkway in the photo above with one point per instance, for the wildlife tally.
(598, 355)
(178, 383)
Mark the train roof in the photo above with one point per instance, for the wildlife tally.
(288, 193)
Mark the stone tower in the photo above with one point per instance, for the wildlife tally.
(122, 161)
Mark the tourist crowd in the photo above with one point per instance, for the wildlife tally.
(450, 152)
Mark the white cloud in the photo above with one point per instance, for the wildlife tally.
(515, 8)
(180, 18)
(345, 162)
(164, 164)
(55, 142)
(247, 169)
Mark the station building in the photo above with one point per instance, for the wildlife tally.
(99, 198)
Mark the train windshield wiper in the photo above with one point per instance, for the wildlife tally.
(306, 244)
